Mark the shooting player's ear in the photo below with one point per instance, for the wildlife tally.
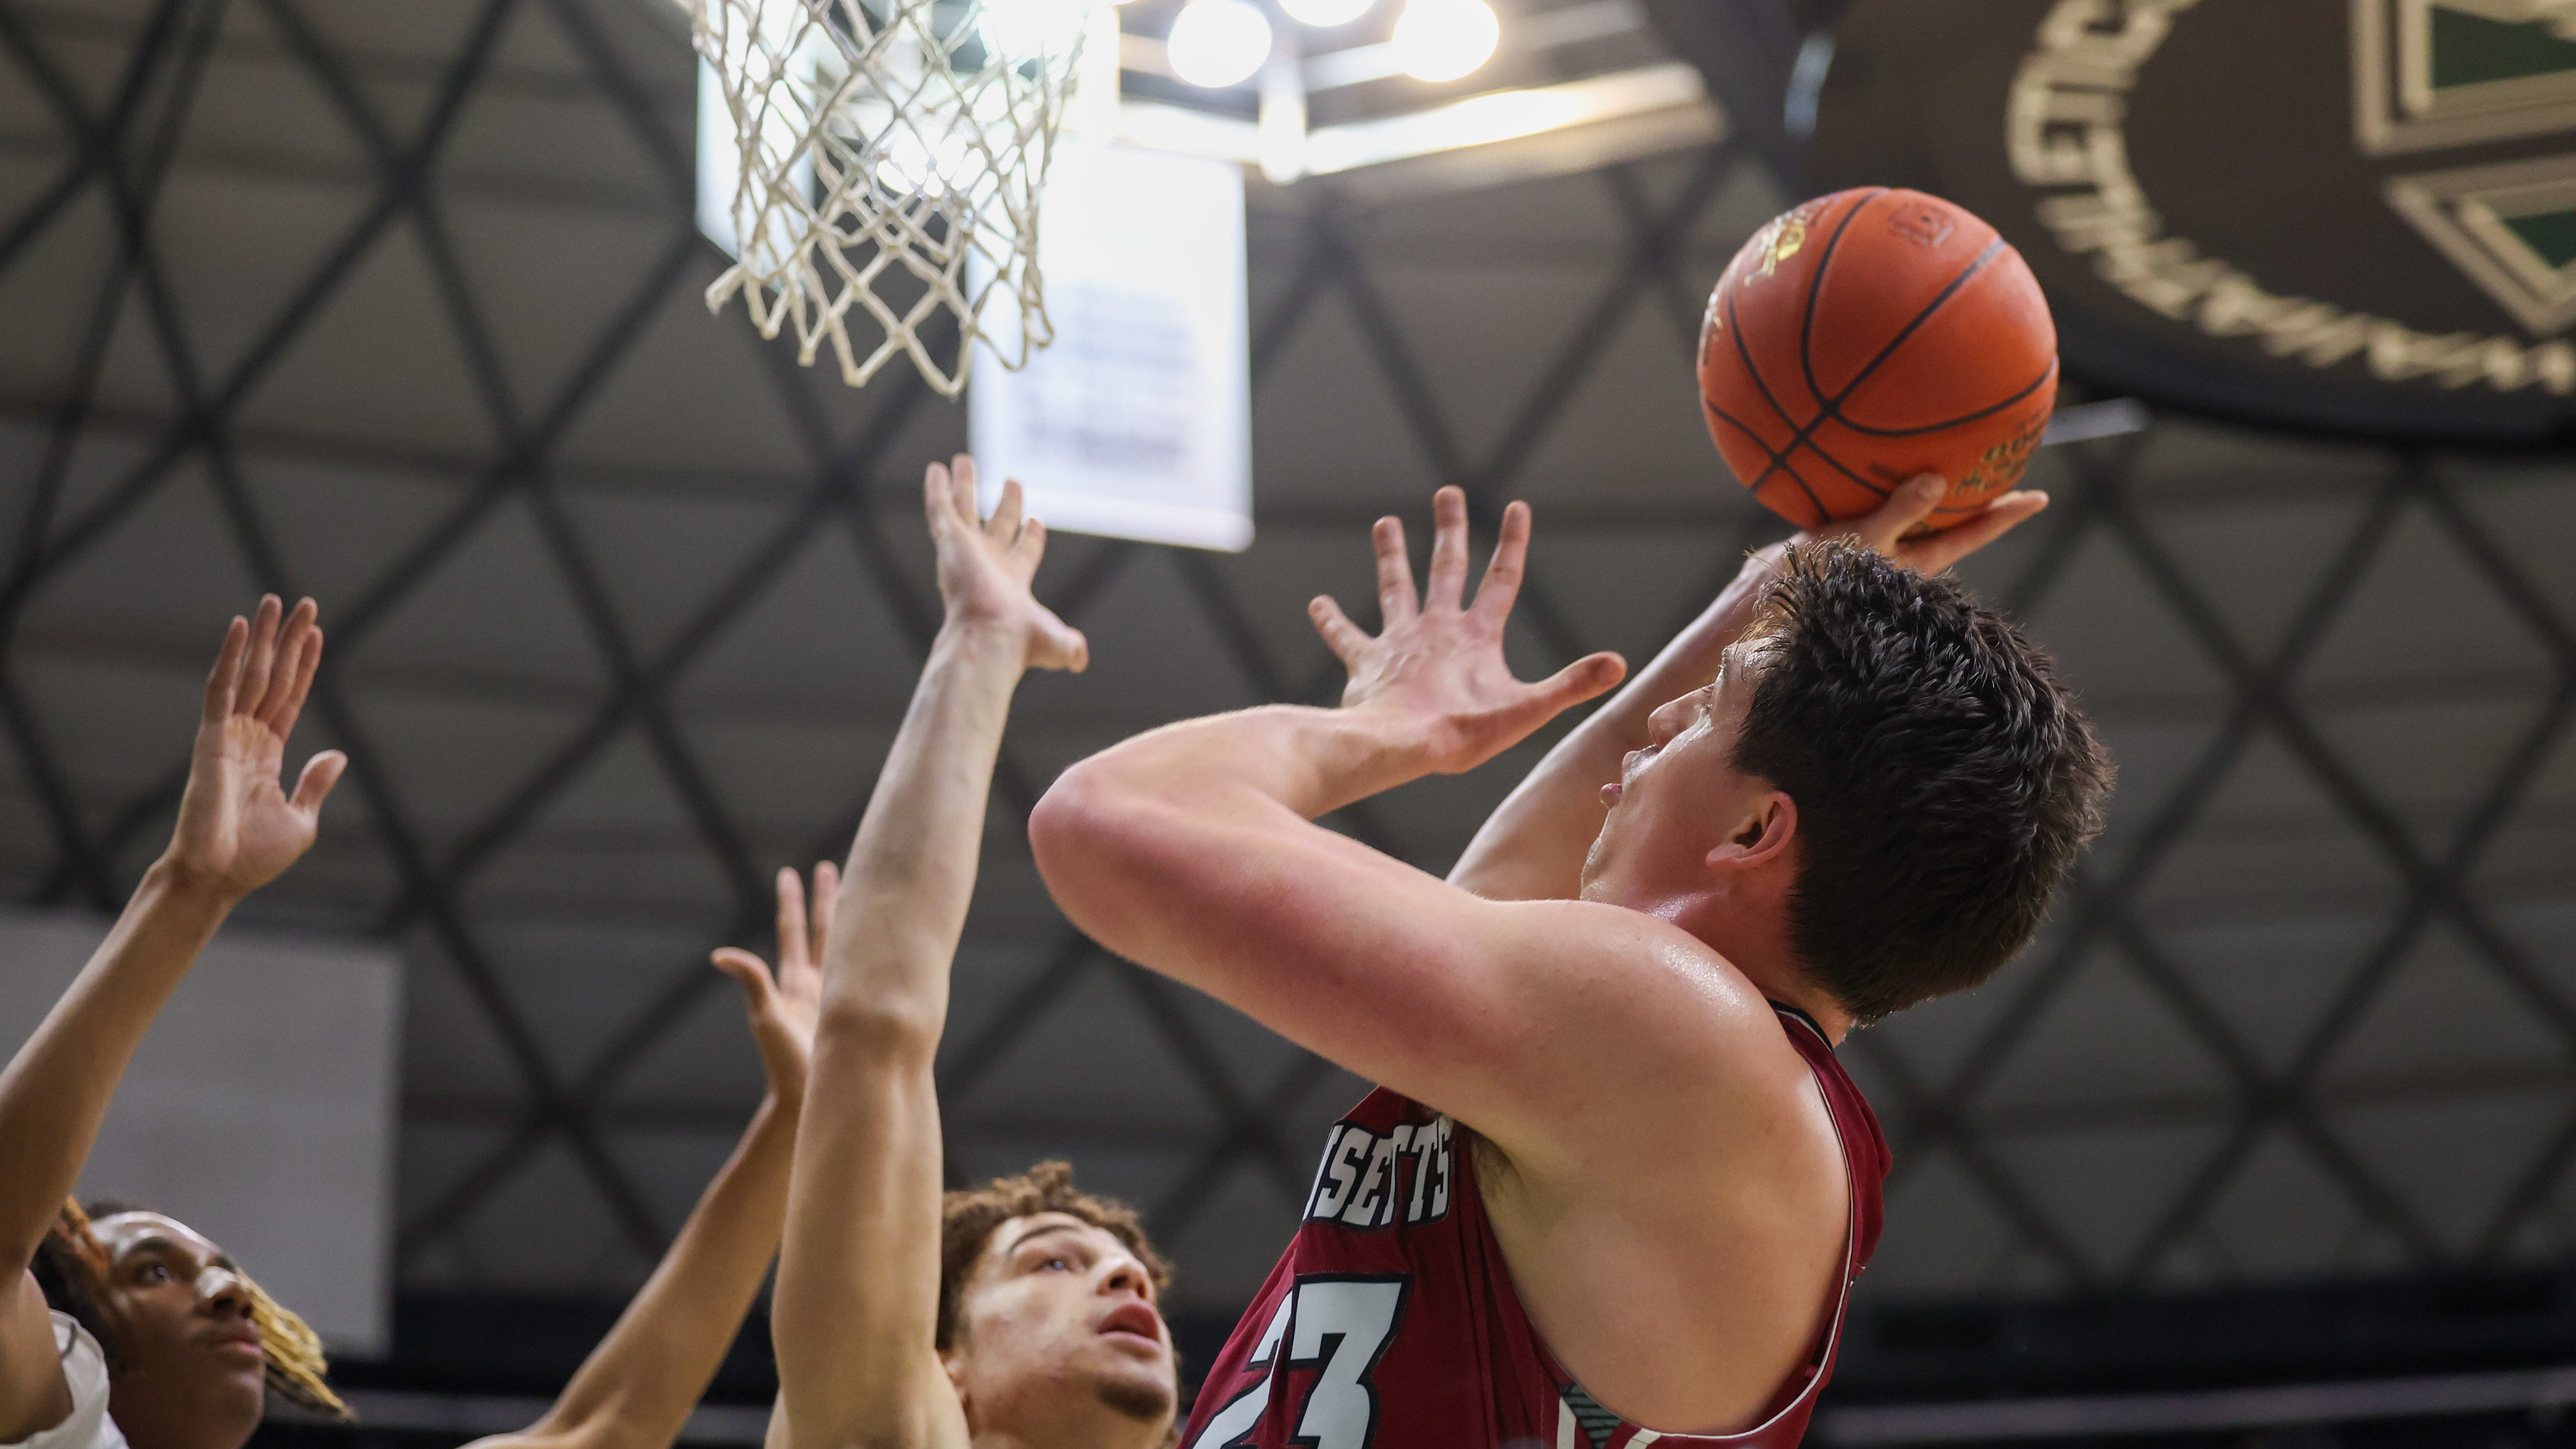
(1760, 835)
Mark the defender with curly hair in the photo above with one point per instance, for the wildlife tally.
(1022, 1313)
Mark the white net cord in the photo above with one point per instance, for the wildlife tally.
(892, 156)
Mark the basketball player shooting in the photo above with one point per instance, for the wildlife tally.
(1613, 1176)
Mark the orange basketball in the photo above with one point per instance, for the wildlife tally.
(1868, 336)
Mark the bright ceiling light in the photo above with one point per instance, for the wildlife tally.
(1031, 29)
(1441, 40)
(1325, 14)
(1219, 43)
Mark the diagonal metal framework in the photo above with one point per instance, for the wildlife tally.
(2105, 910)
(122, 153)
(118, 154)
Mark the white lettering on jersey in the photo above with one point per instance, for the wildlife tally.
(1233, 1422)
(1343, 1161)
(1365, 1180)
(1362, 1213)
(1341, 1329)
(1435, 1165)
(1338, 1326)
(1316, 1189)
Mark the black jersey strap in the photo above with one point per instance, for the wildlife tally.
(1597, 1421)
(1788, 1010)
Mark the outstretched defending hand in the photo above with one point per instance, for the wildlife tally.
(1890, 530)
(238, 829)
(985, 567)
(1439, 662)
(784, 1007)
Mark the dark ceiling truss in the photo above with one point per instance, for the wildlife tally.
(98, 143)
(430, 890)
(125, 151)
(2105, 911)
(204, 430)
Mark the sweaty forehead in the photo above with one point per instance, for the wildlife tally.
(1739, 672)
(120, 1233)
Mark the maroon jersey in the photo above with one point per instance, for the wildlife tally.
(1391, 1322)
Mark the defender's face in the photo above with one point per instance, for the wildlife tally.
(1058, 1321)
(1674, 797)
(190, 1368)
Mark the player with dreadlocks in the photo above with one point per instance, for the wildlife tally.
(120, 1325)
(156, 1338)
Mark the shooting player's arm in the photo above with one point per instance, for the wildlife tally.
(1191, 851)
(1532, 847)
(858, 1286)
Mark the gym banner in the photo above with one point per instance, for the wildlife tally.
(2354, 215)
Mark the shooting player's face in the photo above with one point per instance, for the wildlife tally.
(1680, 798)
(1058, 1326)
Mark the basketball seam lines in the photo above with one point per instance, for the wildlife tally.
(1963, 419)
(1816, 290)
(1779, 460)
(1776, 460)
(1831, 407)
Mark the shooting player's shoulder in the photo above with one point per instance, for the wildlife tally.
(1653, 1009)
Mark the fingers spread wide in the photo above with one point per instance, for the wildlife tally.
(1396, 600)
(1502, 581)
(1585, 678)
(1448, 582)
(1343, 637)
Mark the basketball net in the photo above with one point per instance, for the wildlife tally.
(885, 143)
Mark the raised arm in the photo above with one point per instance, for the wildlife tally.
(237, 830)
(1191, 850)
(857, 1306)
(1532, 847)
(636, 1389)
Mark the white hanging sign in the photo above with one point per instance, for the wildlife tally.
(260, 1109)
(1137, 422)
